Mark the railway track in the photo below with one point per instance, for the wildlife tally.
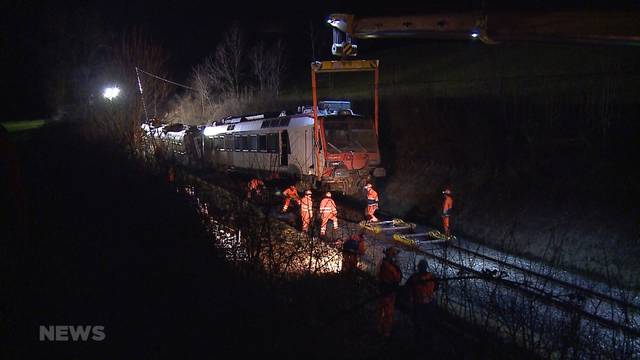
(607, 310)
(611, 311)
(576, 290)
(543, 288)
(560, 296)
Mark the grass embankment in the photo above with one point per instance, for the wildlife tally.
(108, 243)
(17, 126)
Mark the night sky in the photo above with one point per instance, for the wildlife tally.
(40, 38)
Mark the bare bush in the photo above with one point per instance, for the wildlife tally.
(119, 120)
(268, 66)
(224, 70)
(224, 87)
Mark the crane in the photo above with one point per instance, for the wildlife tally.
(613, 27)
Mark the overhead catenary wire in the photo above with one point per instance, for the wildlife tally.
(163, 79)
(144, 105)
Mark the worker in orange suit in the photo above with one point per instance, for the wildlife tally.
(421, 287)
(372, 203)
(389, 277)
(328, 211)
(352, 250)
(306, 210)
(254, 186)
(290, 193)
(447, 205)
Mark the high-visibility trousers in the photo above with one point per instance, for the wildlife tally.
(385, 314)
(325, 217)
(445, 224)
(306, 219)
(369, 212)
(287, 201)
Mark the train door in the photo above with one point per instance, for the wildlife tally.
(285, 148)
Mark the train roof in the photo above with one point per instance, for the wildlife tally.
(280, 122)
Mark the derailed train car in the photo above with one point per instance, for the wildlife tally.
(342, 157)
(181, 143)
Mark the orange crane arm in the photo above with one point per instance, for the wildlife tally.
(561, 26)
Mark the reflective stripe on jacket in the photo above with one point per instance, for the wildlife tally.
(328, 206)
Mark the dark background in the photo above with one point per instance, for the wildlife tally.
(45, 44)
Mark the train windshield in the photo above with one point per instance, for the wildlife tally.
(350, 133)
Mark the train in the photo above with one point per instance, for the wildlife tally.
(338, 153)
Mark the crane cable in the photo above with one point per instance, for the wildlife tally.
(163, 79)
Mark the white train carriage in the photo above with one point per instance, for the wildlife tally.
(282, 144)
(342, 156)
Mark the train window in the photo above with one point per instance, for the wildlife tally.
(253, 143)
(272, 143)
(237, 143)
(245, 143)
(228, 142)
(262, 143)
(284, 140)
(265, 124)
(284, 122)
(230, 127)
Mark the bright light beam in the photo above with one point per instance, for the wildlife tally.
(111, 93)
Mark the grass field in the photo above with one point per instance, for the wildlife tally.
(16, 126)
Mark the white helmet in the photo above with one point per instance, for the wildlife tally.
(308, 192)
(368, 186)
(328, 194)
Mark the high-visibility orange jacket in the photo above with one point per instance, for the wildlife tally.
(306, 206)
(328, 207)
(389, 275)
(291, 194)
(421, 287)
(361, 246)
(255, 184)
(372, 197)
(447, 204)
